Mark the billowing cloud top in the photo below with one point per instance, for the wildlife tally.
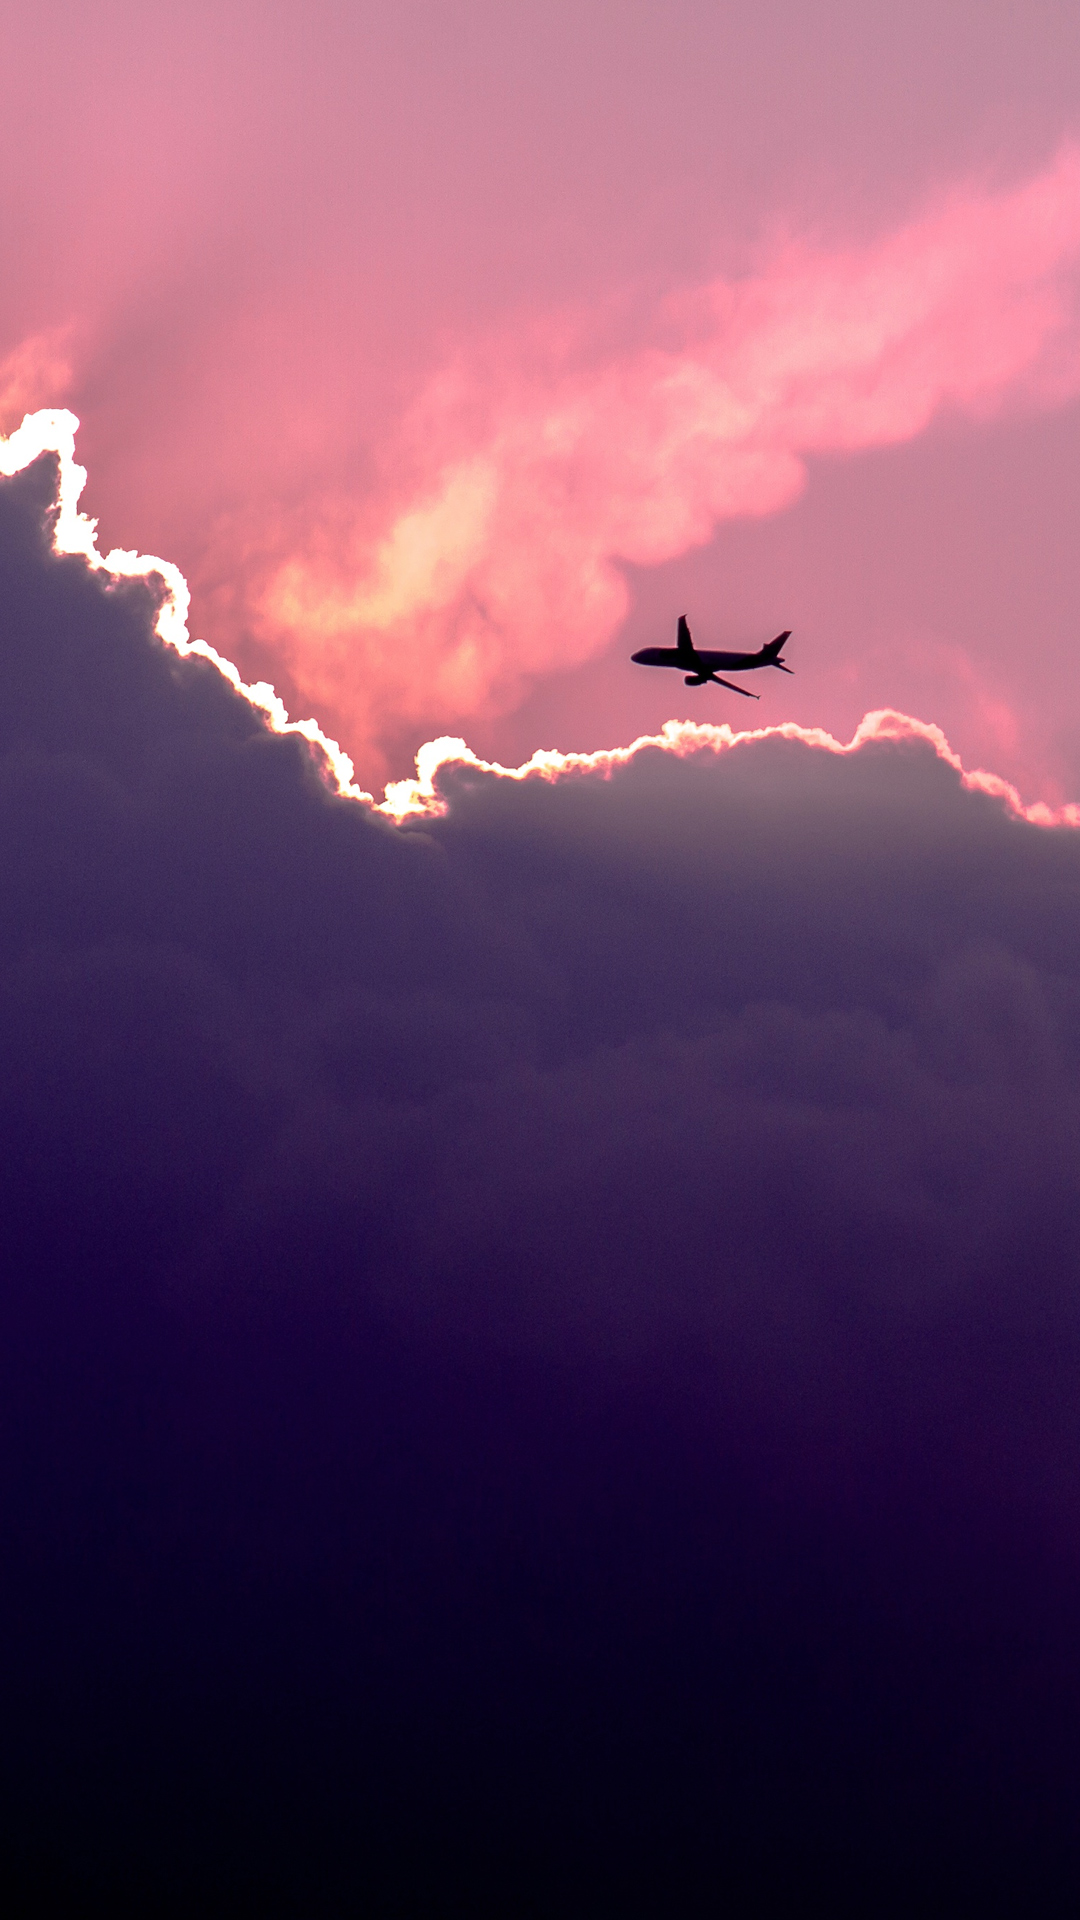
(539, 1341)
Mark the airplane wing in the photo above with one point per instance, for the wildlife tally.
(745, 691)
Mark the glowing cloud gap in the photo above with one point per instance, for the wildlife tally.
(53, 431)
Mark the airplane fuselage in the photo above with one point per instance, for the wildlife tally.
(702, 660)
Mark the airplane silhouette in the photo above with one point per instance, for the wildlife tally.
(703, 666)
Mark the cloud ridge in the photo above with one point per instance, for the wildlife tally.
(53, 431)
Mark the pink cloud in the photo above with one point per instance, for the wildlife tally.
(37, 371)
(528, 469)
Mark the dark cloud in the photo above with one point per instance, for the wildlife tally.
(540, 1346)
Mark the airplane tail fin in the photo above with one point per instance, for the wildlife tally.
(685, 643)
(772, 650)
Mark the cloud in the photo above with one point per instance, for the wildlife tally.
(539, 1342)
(36, 373)
(422, 794)
(538, 461)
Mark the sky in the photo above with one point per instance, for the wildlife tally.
(453, 350)
(540, 1314)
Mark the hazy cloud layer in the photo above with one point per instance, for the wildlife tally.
(540, 1344)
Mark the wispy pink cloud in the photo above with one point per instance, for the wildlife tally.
(527, 471)
(37, 372)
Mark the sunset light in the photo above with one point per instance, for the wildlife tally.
(540, 960)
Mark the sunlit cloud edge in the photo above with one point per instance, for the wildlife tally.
(53, 431)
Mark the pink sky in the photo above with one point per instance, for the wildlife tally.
(452, 350)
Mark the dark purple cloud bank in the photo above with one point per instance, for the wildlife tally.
(539, 1348)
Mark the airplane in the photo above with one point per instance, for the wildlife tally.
(703, 666)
